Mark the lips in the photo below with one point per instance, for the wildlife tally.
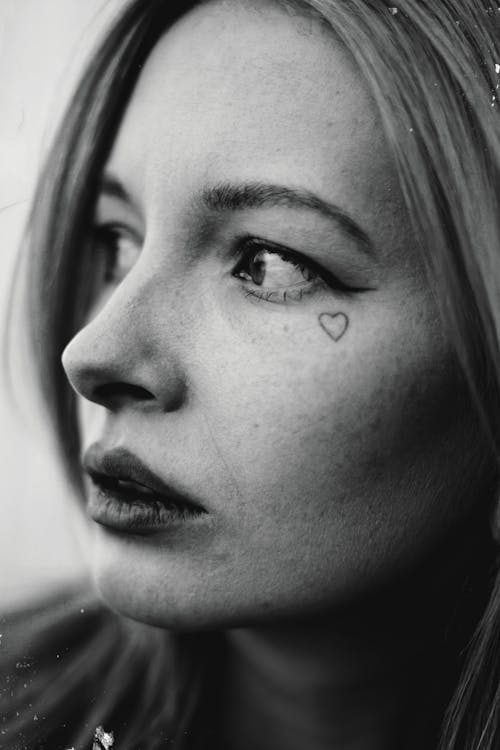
(129, 493)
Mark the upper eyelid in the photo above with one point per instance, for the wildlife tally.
(319, 272)
(116, 226)
(328, 277)
(246, 242)
(253, 243)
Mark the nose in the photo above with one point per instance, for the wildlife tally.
(124, 357)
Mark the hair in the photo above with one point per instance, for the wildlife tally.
(432, 70)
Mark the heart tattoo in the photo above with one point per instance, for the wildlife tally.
(334, 324)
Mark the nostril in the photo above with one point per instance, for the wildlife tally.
(112, 393)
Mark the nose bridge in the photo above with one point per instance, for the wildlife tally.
(128, 347)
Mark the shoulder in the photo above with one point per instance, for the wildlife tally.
(60, 617)
(69, 665)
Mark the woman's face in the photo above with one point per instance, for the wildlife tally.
(263, 340)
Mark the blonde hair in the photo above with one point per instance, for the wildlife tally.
(432, 67)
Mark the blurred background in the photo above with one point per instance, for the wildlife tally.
(42, 46)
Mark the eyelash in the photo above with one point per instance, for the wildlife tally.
(249, 246)
(108, 236)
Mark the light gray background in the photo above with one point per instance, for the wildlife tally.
(42, 45)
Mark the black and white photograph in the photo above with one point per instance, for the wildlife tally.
(250, 375)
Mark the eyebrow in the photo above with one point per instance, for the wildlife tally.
(113, 188)
(237, 197)
(226, 196)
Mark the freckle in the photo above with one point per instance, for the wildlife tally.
(285, 328)
(222, 558)
(256, 425)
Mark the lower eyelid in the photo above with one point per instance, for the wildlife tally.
(282, 296)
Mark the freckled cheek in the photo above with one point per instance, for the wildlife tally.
(292, 418)
(280, 420)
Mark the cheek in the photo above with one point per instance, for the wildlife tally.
(340, 449)
(329, 467)
(299, 400)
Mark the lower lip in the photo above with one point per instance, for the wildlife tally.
(139, 516)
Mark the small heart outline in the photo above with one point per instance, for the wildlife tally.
(334, 324)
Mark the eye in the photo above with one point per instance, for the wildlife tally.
(115, 251)
(277, 274)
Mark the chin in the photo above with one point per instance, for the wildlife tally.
(171, 608)
(159, 585)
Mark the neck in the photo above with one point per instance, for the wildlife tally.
(374, 675)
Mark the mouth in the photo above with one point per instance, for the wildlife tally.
(126, 495)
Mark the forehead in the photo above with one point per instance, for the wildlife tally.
(252, 92)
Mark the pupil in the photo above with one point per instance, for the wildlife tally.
(257, 269)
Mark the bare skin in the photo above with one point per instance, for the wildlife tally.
(377, 676)
(335, 325)
(264, 339)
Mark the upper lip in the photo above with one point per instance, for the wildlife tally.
(122, 464)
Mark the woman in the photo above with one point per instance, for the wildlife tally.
(265, 245)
